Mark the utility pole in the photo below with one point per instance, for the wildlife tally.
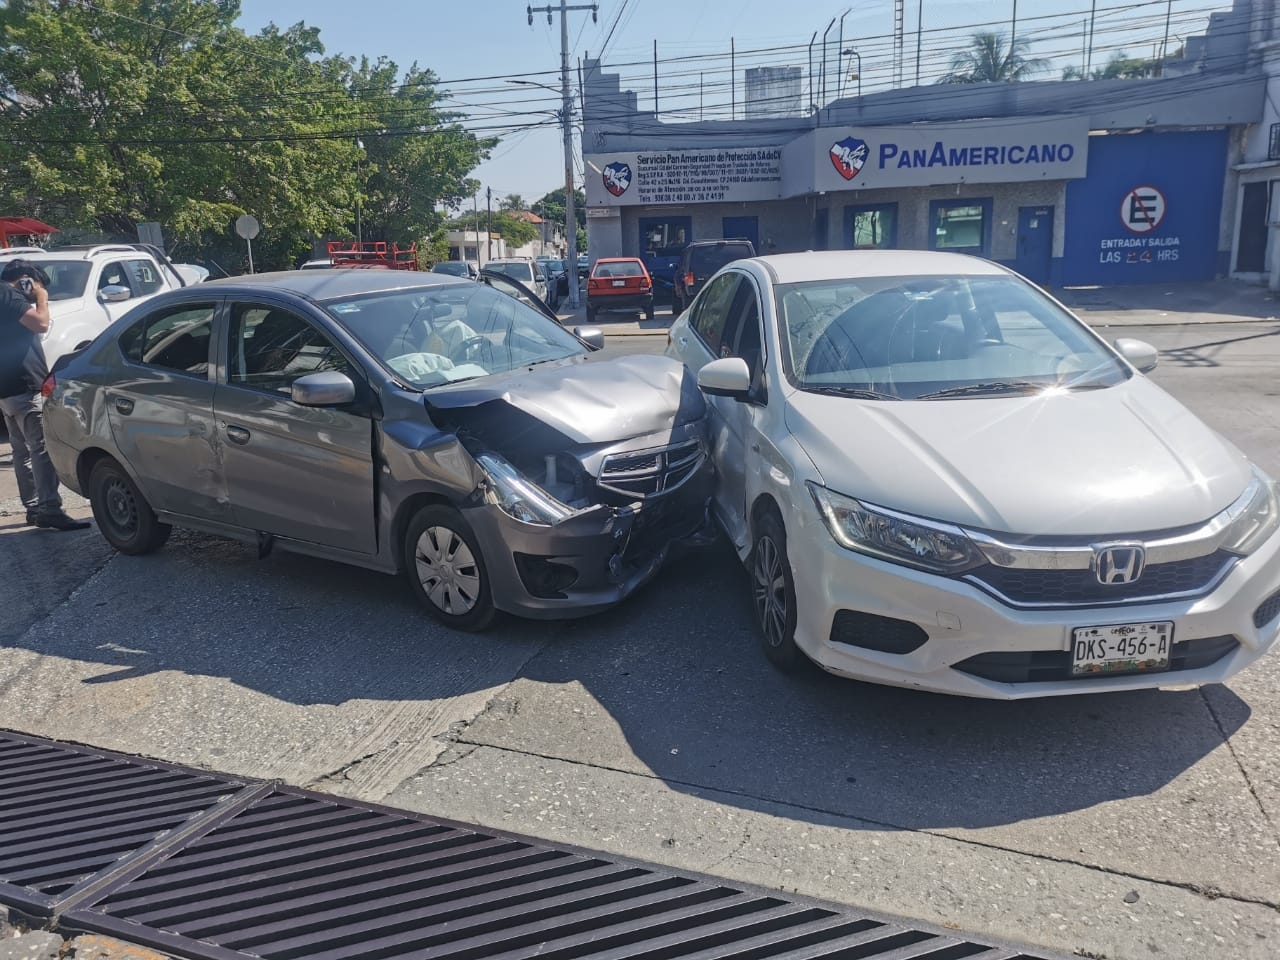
(566, 124)
(488, 230)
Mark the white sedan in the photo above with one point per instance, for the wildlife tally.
(939, 478)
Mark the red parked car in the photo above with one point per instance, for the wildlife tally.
(619, 283)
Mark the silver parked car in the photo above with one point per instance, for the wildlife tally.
(424, 424)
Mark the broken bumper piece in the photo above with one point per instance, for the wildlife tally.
(592, 559)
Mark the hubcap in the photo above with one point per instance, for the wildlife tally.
(447, 570)
(122, 511)
(770, 590)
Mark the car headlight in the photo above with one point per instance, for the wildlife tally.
(898, 538)
(518, 496)
(1252, 518)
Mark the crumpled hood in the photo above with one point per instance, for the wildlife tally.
(594, 401)
(1122, 460)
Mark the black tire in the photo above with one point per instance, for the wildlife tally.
(446, 570)
(123, 515)
(591, 313)
(773, 593)
(649, 311)
(677, 305)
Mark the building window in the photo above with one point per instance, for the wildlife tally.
(871, 227)
(960, 226)
(665, 236)
(1273, 147)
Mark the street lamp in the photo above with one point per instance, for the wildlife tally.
(857, 71)
(570, 214)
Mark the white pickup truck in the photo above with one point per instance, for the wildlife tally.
(91, 286)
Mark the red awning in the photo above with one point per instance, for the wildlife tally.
(21, 227)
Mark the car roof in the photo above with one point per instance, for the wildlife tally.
(328, 284)
(621, 260)
(841, 264)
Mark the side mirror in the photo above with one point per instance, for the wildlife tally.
(728, 377)
(114, 293)
(1139, 353)
(328, 388)
(593, 337)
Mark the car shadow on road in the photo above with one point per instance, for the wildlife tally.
(677, 669)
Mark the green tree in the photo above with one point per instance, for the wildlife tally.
(415, 157)
(991, 58)
(551, 207)
(128, 110)
(512, 202)
(1123, 67)
(515, 230)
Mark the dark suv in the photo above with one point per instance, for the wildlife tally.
(699, 262)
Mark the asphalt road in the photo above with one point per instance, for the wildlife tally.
(1126, 825)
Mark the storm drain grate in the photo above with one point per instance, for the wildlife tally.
(214, 868)
(70, 816)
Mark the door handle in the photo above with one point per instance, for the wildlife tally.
(237, 434)
(124, 405)
(684, 341)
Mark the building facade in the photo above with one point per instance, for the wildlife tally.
(1070, 183)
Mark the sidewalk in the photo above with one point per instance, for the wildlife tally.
(1215, 301)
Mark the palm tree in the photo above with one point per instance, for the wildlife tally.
(990, 58)
(512, 201)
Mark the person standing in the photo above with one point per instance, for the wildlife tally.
(24, 316)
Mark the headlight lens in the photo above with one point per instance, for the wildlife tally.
(517, 495)
(1254, 517)
(923, 544)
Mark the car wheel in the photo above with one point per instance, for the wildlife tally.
(774, 594)
(591, 313)
(445, 569)
(648, 312)
(123, 515)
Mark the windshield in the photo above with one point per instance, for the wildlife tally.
(910, 338)
(457, 331)
(67, 278)
(516, 271)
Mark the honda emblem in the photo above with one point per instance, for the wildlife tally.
(1119, 562)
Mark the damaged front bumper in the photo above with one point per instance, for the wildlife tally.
(594, 558)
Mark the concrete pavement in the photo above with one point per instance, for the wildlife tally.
(1126, 826)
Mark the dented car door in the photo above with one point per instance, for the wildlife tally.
(161, 414)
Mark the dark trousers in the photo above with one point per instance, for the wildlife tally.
(37, 480)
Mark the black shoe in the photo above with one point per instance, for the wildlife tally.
(59, 521)
(31, 518)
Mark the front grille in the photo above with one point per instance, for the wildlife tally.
(872, 632)
(1066, 588)
(1267, 610)
(1042, 666)
(650, 473)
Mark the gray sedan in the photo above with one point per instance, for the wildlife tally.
(415, 423)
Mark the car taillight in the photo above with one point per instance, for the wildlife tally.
(688, 279)
(46, 388)
(645, 283)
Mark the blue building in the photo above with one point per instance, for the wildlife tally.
(1076, 182)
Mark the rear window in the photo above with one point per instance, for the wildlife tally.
(516, 271)
(707, 260)
(626, 268)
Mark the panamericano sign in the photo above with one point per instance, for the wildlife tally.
(992, 151)
(730, 174)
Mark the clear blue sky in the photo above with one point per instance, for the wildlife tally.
(461, 41)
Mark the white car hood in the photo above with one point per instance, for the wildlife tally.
(1123, 460)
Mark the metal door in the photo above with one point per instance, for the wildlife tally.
(741, 228)
(1251, 246)
(293, 471)
(1035, 243)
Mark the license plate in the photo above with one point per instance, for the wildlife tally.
(1121, 648)
(619, 283)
